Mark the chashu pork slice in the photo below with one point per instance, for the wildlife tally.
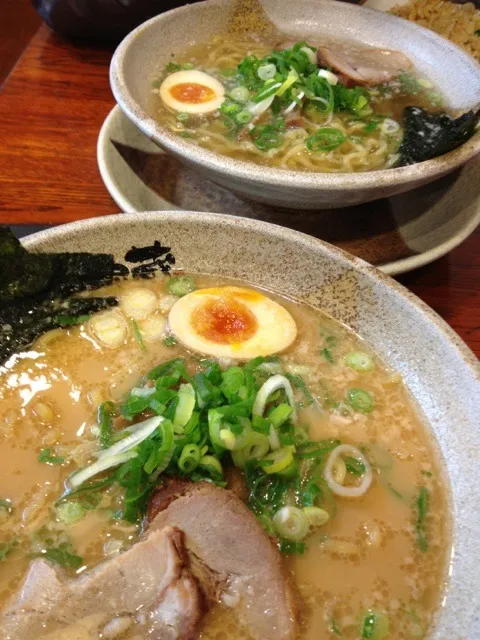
(230, 555)
(366, 66)
(148, 587)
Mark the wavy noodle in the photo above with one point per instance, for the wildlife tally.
(363, 152)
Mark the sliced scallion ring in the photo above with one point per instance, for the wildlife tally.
(291, 523)
(325, 139)
(106, 462)
(360, 400)
(359, 361)
(277, 460)
(340, 489)
(270, 386)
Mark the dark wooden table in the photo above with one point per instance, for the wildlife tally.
(51, 109)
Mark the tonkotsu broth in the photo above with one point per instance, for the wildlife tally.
(365, 558)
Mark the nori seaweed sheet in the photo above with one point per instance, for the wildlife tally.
(35, 288)
(429, 135)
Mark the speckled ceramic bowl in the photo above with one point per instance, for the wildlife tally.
(439, 370)
(145, 52)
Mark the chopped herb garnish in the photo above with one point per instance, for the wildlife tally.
(47, 457)
(170, 341)
(62, 555)
(334, 628)
(172, 67)
(138, 335)
(396, 493)
(325, 139)
(105, 414)
(327, 354)
(287, 547)
(422, 505)
(6, 548)
(6, 505)
(427, 474)
(354, 466)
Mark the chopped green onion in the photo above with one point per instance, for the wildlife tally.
(6, 548)
(374, 626)
(287, 547)
(185, 406)
(327, 354)
(316, 516)
(6, 505)
(262, 425)
(169, 341)
(291, 523)
(280, 414)
(47, 457)
(138, 335)
(267, 71)
(70, 512)
(325, 139)
(266, 137)
(278, 460)
(257, 447)
(105, 413)
(189, 458)
(359, 360)
(270, 386)
(61, 555)
(97, 467)
(291, 79)
(422, 505)
(354, 466)
(211, 463)
(180, 285)
(360, 400)
(240, 94)
(243, 117)
(268, 90)
(183, 116)
(334, 628)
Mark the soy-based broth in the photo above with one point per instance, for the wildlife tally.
(358, 138)
(367, 557)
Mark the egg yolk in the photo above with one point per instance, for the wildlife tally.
(192, 93)
(224, 321)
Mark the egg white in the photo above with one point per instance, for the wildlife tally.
(275, 332)
(192, 77)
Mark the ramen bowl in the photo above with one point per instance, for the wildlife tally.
(403, 331)
(143, 54)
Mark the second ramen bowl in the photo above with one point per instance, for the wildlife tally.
(143, 54)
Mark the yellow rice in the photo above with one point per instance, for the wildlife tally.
(460, 23)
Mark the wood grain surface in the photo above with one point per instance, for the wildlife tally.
(51, 109)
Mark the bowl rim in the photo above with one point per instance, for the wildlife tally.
(348, 260)
(261, 175)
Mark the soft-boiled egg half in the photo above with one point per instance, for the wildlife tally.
(232, 322)
(192, 92)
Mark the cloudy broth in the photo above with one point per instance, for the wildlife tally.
(372, 556)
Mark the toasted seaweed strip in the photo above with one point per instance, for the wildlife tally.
(25, 274)
(429, 135)
(36, 290)
(21, 273)
(22, 323)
